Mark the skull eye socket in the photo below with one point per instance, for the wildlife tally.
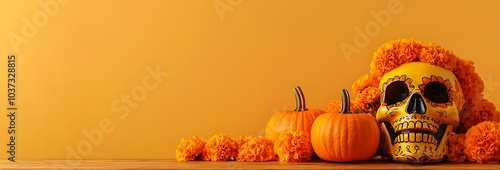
(436, 92)
(396, 92)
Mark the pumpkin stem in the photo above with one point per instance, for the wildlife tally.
(346, 102)
(300, 100)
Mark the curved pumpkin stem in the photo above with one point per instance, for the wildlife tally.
(300, 100)
(346, 102)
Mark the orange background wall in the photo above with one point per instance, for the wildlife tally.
(84, 67)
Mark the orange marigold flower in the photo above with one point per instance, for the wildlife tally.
(335, 105)
(482, 142)
(484, 111)
(368, 101)
(392, 54)
(437, 55)
(471, 82)
(363, 82)
(257, 149)
(456, 148)
(221, 147)
(293, 146)
(190, 149)
(243, 139)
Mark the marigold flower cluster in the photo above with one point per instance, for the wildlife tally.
(257, 149)
(221, 147)
(293, 146)
(482, 142)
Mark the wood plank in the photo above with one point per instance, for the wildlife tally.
(172, 164)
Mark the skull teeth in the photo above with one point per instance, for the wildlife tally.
(416, 125)
(416, 138)
(415, 135)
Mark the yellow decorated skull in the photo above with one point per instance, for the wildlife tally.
(420, 105)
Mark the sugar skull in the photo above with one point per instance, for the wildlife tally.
(420, 105)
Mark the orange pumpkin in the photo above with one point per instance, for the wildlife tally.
(300, 119)
(345, 137)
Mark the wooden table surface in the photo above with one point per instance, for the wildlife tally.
(172, 164)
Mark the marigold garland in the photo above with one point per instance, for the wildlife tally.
(393, 54)
(221, 147)
(293, 146)
(486, 112)
(190, 149)
(456, 146)
(257, 149)
(482, 142)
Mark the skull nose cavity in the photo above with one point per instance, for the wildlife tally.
(416, 105)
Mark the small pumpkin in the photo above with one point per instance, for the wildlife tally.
(300, 119)
(345, 137)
